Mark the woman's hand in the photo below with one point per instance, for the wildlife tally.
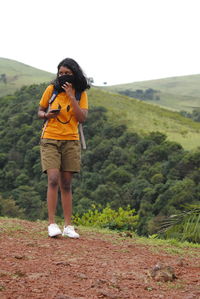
(46, 115)
(51, 114)
(68, 89)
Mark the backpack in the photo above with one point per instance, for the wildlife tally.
(80, 126)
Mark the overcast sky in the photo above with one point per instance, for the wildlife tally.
(114, 41)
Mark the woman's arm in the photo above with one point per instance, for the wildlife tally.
(46, 115)
(80, 113)
(41, 113)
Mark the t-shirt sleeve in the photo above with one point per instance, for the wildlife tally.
(84, 101)
(44, 102)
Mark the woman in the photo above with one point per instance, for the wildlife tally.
(60, 146)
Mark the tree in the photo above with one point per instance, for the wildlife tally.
(9, 208)
(29, 200)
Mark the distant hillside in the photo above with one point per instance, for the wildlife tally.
(143, 117)
(14, 75)
(176, 93)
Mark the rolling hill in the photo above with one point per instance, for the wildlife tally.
(144, 118)
(14, 75)
(176, 93)
(139, 116)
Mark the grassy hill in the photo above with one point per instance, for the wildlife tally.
(176, 93)
(14, 74)
(143, 117)
(139, 116)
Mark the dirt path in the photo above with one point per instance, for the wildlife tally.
(95, 266)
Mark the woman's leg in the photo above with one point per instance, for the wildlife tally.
(66, 195)
(52, 193)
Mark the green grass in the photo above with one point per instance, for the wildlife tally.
(11, 225)
(144, 118)
(170, 246)
(176, 93)
(19, 74)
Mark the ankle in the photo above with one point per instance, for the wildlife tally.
(67, 224)
(51, 222)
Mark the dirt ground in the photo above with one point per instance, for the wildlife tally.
(98, 265)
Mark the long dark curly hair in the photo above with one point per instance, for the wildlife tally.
(80, 80)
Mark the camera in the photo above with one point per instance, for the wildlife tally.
(65, 78)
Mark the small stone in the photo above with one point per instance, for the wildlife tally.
(19, 257)
(163, 273)
(108, 294)
(180, 262)
(62, 263)
(82, 276)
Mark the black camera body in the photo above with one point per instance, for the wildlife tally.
(65, 78)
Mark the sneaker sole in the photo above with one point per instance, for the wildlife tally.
(55, 235)
(70, 236)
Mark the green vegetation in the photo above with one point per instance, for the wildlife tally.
(184, 225)
(14, 75)
(195, 115)
(121, 219)
(176, 93)
(148, 94)
(149, 174)
(144, 118)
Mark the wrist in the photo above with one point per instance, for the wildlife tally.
(44, 115)
(72, 98)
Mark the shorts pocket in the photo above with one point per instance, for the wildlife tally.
(44, 142)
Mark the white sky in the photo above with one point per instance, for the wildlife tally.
(114, 41)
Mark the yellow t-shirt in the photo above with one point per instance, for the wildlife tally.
(65, 125)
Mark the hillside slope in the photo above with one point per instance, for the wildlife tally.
(143, 117)
(14, 75)
(98, 265)
(138, 116)
(177, 93)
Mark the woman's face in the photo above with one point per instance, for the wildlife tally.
(63, 70)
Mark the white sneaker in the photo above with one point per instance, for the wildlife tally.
(53, 230)
(70, 232)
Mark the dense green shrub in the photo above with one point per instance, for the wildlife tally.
(121, 219)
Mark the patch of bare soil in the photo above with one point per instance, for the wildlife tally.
(97, 265)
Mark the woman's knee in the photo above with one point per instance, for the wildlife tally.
(53, 180)
(66, 181)
(66, 185)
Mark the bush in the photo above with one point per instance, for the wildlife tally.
(9, 208)
(184, 226)
(121, 219)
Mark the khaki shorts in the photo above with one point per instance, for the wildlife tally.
(64, 155)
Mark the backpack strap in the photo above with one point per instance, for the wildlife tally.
(78, 97)
(54, 95)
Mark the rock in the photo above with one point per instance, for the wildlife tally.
(81, 276)
(67, 297)
(126, 234)
(180, 262)
(62, 263)
(20, 257)
(163, 273)
(108, 294)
